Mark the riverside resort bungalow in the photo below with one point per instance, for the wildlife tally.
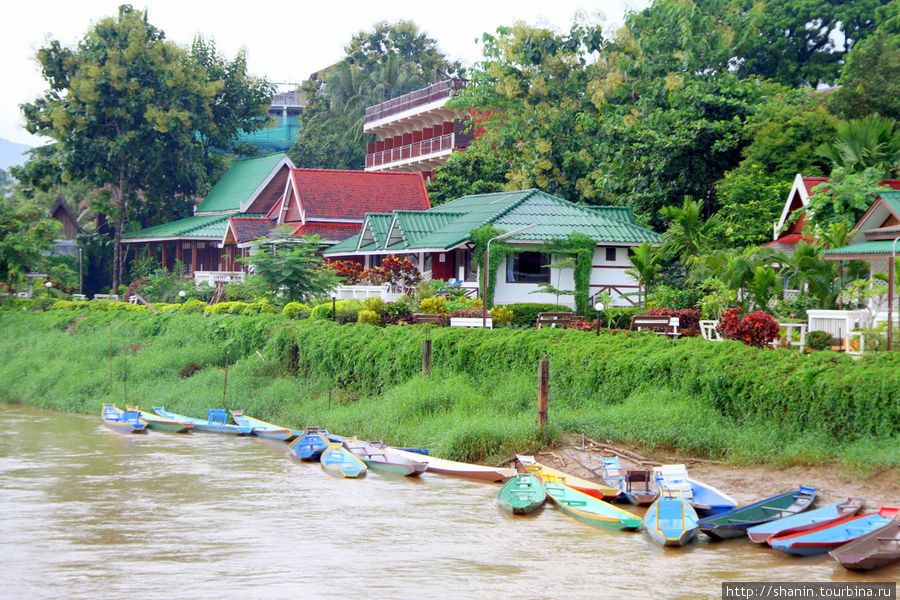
(439, 242)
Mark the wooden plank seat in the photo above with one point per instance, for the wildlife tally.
(562, 320)
(661, 324)
(425, 319)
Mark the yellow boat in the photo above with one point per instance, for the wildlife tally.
(591, 488)
(587, 508)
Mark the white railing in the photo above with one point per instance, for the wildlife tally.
(211, 278)
(361, 292)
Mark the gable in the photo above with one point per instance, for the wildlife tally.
(269, 194)
(241, 183)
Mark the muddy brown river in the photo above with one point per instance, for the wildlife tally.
(86, 512)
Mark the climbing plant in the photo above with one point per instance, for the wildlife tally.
(499, 250)
(581, 247)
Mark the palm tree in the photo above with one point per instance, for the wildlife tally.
(645, 267)
(688, 235)
(864, 143)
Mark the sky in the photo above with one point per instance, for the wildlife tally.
(285, 42)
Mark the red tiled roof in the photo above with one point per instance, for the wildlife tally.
(247, 229)
(276, 208)
(336, 232)
(333, 194)
(790, 240)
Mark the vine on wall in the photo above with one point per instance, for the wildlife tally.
(582, 248)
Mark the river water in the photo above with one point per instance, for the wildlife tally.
(86, 512)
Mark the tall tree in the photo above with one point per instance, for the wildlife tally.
(26, 230)
(371, 50)
(127, 110)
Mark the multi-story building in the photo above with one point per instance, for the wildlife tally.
(417, 131)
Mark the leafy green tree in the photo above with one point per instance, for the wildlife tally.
(844, 197)
(870, 81)
(799, 42)
(5, 183)
(476, 171)
(26, 230)
(689, 235)
(751, 201)
(292, 265)
(128, 110)
(372, 50)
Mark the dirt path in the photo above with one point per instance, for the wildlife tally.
(744, 483)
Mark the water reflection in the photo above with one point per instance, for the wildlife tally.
(91, 513)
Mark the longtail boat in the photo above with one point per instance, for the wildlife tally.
(216, 421)
(877, 549)
(261, 428)
(587, 508)
(162, 423)
(828, 537)
(806, 520)
(460, 469)
(377, 456)
(671, 520)
(598, 490)
(735, 523)
(311, 444)
(337, 460)
(522, 494)
(127, 421)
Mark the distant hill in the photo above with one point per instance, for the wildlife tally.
(11, 153)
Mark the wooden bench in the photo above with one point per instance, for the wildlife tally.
(661, 324)
(554, 319)
(426, 319)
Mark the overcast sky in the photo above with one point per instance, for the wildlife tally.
(285, 41)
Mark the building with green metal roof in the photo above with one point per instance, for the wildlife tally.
(438, 240)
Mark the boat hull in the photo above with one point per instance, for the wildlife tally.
(261, 428)
(600, 491)
(522, 494)
(459, 469)
(337, 460)
(871, 551)
(671, 521)
(828, 537)
(805, 521)
(386, 460)
(208, 426)
(735, 523)
(310, 445)
(587, 508)
(124, 421)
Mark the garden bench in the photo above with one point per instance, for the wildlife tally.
(424, 319)
(661, 324)
(708, 330)
(554, 319)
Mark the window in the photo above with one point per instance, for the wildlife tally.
(610, 254)
(528, 267)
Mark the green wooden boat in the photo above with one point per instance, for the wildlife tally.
(735, 523)
(522, 494)
(161, 423)
(592, 511)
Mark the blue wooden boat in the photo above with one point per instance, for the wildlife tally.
(161, 423)
(805, 520)
(337, 460)
(127, 421)
(828, 537)
(735, 523)
(261, 428)
(671, 520)
(522, 494)
(311, 444)
(216, 421)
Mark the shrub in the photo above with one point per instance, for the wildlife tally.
(436, 305)
(369, 316)
(501, 315)
(463, 302)
(818, 340)
(194, 306)
(794, 308)
(756, 329)
(525, 314)
(673, 298)
(398, 310)
(295, 310)
(347, 311)
(619, 317)
(688, 318)
(584, 325)
(233, 308)
(469, 313)
(374, 304)
(349, 270)
(261, 307)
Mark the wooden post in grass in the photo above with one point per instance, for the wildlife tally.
(426, 357)
(543, 391)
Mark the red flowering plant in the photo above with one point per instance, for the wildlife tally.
(756, 329)
(688, 318)
(583, 325)
(349, 270)
(400, 271)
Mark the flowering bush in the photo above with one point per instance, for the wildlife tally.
(349, 270)
(756, 329)
(688, 318)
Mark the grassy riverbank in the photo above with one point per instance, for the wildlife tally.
(723, 401)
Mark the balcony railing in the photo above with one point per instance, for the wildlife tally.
(435, 91)
(409, 151)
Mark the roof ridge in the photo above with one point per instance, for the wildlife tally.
(393, 173)
(528, 193)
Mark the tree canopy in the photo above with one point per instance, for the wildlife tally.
(135, 114)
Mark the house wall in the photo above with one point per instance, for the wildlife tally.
(606, 275)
